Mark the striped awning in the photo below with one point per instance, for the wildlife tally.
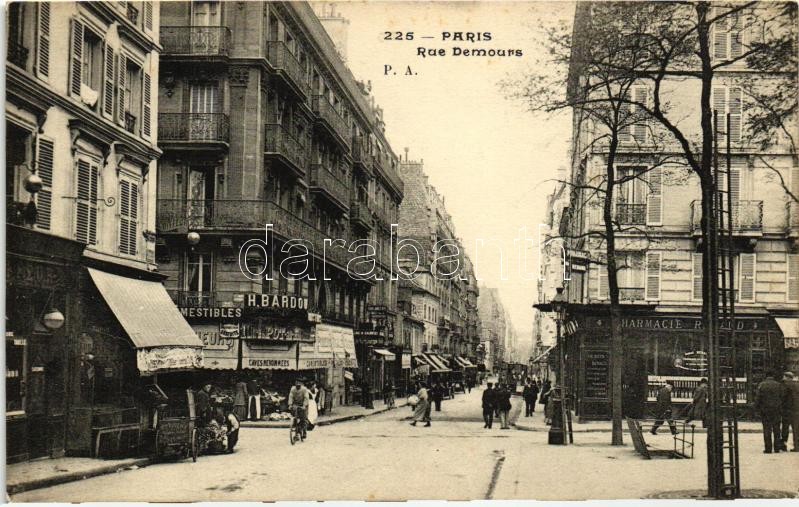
(570, 327)
(436, 363)
(543, 356)
(463, 362)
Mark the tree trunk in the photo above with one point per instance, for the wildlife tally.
(616, 341)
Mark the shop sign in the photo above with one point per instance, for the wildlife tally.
(33, 274)
(692, 361)
(261, 330)
(213, 337)
(678, 324)
(597, 369)
(192, 312)
(168, 358)
(406, 361)
(277, 301)
(269, 364)
(791, 343)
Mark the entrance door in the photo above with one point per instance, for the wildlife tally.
(634, 384)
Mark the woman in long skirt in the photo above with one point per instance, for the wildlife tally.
(422, 410)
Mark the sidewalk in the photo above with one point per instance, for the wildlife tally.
(46, 472)
(339, 414)
(536, 423)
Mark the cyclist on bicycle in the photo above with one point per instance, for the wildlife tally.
(298, 404)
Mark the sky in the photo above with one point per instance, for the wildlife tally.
(491, 159)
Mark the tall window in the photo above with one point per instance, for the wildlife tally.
(205, 13)
(198, 276)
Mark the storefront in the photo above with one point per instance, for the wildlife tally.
(660, 347)
(42, 320)
(790, 331)
(131, 334)
(431, 367)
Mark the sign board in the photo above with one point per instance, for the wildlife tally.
(210, 313)
(276, 301)
(596, 367)
(168, 358)
(173, 431)
(267, 330)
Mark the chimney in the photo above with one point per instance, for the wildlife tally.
(337, 27)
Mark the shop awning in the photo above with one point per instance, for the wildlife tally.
(463, 362)
(385, 354)
(436, 363)
(162, 337)
(790, 331)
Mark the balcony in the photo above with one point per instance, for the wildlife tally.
(282, 147)
(323, 182)
(331, 121)
(195, 299)
(747, 218)
(287, 67)
(361, 157)
(17, 54)
(631, 214)
(632, 294)
(384, 217)
(361, 215)
(194, 130)
(382, 163)
(130, 123)
(132, 14)
(201, 42)
(792, 219)
(178, 216)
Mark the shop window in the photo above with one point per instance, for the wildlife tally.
(15, 374)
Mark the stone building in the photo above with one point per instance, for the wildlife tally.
(495, 326)
(657, 212)
(262, 123)
(84, 327)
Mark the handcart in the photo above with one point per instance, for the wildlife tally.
(176, 429)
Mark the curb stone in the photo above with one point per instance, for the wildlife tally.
(55, 480)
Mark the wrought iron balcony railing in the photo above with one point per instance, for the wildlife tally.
(195, 40)
(383, 163)
(196, 299)
(632, 293)
(792, 218)
(747, 216)
(130, 122)
(180, 215)
(323, 180)
(360, 153)
(17, 54)
(196, 127)
(285, 62)
(280, 142)
(360, 213)
(331, 118)
(631, 214)
(132, 13)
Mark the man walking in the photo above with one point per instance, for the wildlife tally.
(790, 414)
(698, 404)
(438, 395)
(768, 402)
(663, 409)
(530, 393)
(488, 405)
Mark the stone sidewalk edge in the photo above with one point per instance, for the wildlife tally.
(577, 429)
(326, 422)
(54, 480)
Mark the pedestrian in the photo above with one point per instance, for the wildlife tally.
(530, 394)
(768, 402)
(698, 405)
(240, 399)
(543, 399)
(489, 401)
(422, 410)
(253, 400)
(438, 395)
(504, 405)
(790, 417)
(663, 409)
(202, 404)
(469, 384)
(232, 423)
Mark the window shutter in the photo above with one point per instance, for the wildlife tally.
(719, 101)
(43, 41)
(108, 83)
(653, 275)
(625, 128)
(696, 290)
(86, 203)
(720, 35)
(736, 34)
(654, 199)
(793, 277)
(639, 129)
(76, 58)
(735, 109)
(747, 269)
(122, 73)
(44, 168)
(148, 16)
(128, 217)
(146, 106)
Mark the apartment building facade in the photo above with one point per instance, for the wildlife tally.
(262, 123)
(81, 152)
(659, 248)
(494, 322)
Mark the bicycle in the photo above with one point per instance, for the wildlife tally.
(298, 429)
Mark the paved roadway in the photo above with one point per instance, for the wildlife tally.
(383, 458)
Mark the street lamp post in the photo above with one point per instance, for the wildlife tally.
(557, 431)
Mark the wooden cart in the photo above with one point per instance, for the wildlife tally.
(176, 431)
